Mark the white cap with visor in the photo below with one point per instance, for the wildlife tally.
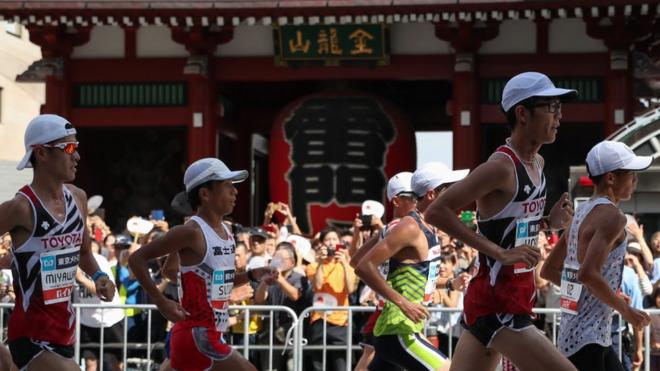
(434, 174)
(208, 169)
(531, 84)
(44, 129)
(398, 184)
(608, 156)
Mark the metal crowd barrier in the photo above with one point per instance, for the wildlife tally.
(247, 311)
(295, 339)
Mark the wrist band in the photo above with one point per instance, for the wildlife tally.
(98, 274)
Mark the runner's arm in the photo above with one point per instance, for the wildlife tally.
(367, 269)
(553, 265)
(176, 239)
(87, 262)
(611, 224)
(491, 176)
(170, 268)
(12, 211)
(360, 252)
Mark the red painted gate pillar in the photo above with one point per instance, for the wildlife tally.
(202, 98)
(465, 38)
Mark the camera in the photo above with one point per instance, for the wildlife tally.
(333, 250)
(366, 222)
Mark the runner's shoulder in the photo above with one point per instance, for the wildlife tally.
(188, 234)
(78, 193)
(607, 215)
(498, 167)
(406, 227)
(17, 209)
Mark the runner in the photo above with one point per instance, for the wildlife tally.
(205, 247)
(588, 260)
(413, 252)
(46, 220)
(510, 192)
(403, 200)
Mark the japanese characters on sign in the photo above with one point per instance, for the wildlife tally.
(329, 152)
(331, 42)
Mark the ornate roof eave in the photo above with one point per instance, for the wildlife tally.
(250, 12)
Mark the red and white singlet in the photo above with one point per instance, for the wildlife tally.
(44, 270)
(508, 289)
(204, 293)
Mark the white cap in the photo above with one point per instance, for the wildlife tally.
(93, 203)
(530, 84)
(371, 207)
(434, 174)
(44, 129)
(608, 156)
(207, 169)
(301, 244)
(398, 184)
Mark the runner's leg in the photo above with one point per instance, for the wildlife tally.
(46, 361)
(234, 362)
(367, 355)
(471, 355)
(6, 364)
(537, 354)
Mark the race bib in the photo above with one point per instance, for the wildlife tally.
(570, 289)
(58, 274)
(527, 233)
(223, 282)
(434, 272)
(384, 269)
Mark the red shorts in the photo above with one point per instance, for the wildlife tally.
(195, 348)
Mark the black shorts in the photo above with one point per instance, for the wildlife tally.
(595, 357)
(24, 350)
(367, 340)
(485, 328)
(411, 352)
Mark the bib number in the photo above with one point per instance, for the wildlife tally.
(434, 272)
(570, 289)
(527, 233)
(58, 274)
(223, 282)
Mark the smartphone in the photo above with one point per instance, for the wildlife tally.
(366, 222)
(278, 217)
(338, 247)
(157, 214)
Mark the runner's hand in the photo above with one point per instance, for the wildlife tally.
(637, 318)
(527, 254)
(460, 283)
(561, 213)
(240, 293)
(172, 310)
(638, 357)
(105, 289)
(416, 312)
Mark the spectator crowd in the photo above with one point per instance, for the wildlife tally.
(315, 271)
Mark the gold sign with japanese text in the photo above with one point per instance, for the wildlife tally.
(331, 43)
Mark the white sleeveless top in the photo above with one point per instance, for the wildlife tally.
(213, 276)
(585, 319)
